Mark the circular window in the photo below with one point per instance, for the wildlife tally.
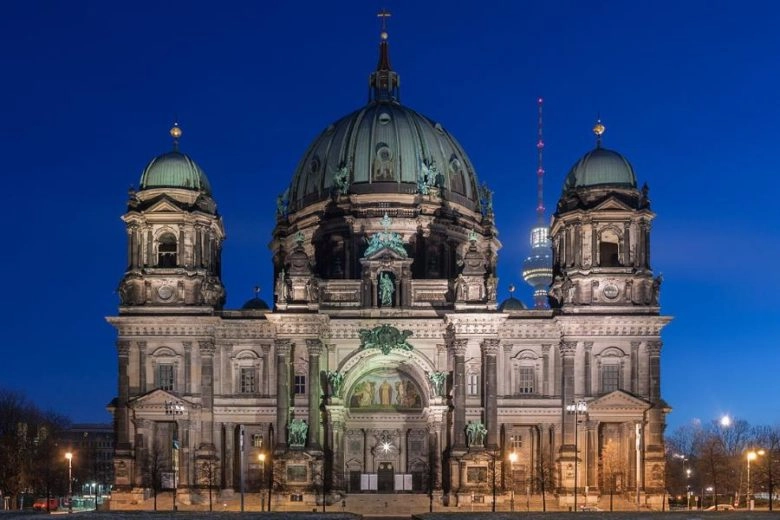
(611, 291)
(384, 118)
(165, 292)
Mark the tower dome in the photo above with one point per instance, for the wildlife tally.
(600, 167)
(174, 170)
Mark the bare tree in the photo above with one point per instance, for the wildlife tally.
(154, 464)
(29, 458)
(768, 468)
(208, 476)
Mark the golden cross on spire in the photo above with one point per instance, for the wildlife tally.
(384, 14)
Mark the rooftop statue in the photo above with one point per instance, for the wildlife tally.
(385, 240)
(341, 179)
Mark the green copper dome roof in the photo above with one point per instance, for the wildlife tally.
(601, 167)
(384, 147)
(384, 144)
(174, 170)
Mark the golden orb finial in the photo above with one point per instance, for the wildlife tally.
(598, 128)
(175, 131)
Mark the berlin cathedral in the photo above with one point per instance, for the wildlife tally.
(385, 363)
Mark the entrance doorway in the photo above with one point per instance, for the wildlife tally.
(385, 478)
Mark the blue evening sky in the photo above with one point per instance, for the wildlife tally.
(689, 92)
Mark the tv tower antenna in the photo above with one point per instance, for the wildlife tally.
(537, 268)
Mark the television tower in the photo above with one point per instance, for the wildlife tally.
(537, 268)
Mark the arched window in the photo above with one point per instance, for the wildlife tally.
(609, 251)
(456, 176)
(166, 251)
(248, 367)
(611, 362)
(383, 164)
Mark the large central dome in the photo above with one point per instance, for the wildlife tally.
(384, 147)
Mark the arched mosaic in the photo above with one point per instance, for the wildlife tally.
(385, 389)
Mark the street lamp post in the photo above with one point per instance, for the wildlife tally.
(688, 488)
(512, 460)
(577, 408)
(261, 458)
(751, 456)
(174, 408)
(69, 456)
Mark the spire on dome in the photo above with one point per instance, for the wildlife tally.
(384, 81)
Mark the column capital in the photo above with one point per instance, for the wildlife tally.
(314, 347)
(207, 348)
(123, 348)
(459, 346)
(490, 346)
(508, 347)
(283, 346)
(546, 348)
(568, 348)
(187, 345)
(141, 345)
(588, 345)
(654, 348)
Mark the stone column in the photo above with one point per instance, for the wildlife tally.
(314, 347)
(586, 367)
(635, 367)
(546, 390)
(282, 392)
(489, 352)
(568, 350)
(654, 370)
(264, 387)
(207, 391)
(229, 440)
(459, 399)
(335, 440)
(509, 390)
(188, 367)
(142, 367)
(122, 426)
(654, 460)
(626, 244)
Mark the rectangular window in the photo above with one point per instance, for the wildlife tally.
(472, 384)
(300, 384)
(165, 377)
(257, 440)
(526, 379)
(247, 382)
(610, 378)
(517, 442)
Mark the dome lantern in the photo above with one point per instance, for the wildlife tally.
(384, 82)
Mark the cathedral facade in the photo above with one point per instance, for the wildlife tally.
(385, 363)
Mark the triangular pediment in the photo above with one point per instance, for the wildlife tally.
(386, 253)
(613, 204)
(618, 402)
(164, 205)
(160, 401)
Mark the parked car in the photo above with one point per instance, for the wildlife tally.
(40, 504)
(721, 507)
